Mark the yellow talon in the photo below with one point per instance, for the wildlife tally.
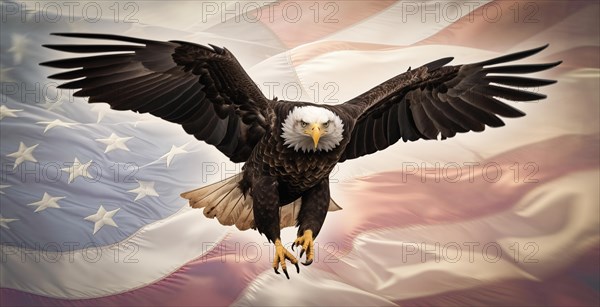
(280, 255)
(307, 243)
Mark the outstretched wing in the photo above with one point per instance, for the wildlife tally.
(203, 89)
(436, 100)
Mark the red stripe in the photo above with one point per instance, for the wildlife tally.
(317, 19)
(577, 286)
(517, 22)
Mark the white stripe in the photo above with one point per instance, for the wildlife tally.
(309, 288)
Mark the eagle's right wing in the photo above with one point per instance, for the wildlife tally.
(203, 89)
(437, 100)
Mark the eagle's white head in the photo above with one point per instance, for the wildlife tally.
(312, 128)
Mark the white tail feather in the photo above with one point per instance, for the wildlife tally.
(225, 201)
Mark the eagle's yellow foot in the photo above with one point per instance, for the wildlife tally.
(280, 255)
(307, 243)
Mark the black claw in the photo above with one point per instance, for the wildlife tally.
(286, 273)
(308, 262)
(276, 272)
(301, 253)
(297, 267)
(292, 247)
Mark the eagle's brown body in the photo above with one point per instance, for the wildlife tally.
(272, 166)
(296, 171)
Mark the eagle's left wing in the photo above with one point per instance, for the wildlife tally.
(203, 89)
(436, 100)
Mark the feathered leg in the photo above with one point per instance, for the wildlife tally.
(265, 197)
(315, 203)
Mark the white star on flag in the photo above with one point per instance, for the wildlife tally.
(51, 104)
(102, 217)
(101, 108)
(4, 221)
(146, 188)
(47, 201)
(56, 123)
(174, 151)
(23, 154)
(4, 77)
(141, 118)
(7, 112)
(114, 142)
(18, 47)
(78, 169)
(3, 186)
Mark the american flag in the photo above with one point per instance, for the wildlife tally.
(90, 210)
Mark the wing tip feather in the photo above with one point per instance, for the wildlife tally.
(47, 63)
(122, 38)
(438, 63)
(514, 56)
(217, 49)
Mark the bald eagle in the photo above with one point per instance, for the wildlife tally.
(289, 147)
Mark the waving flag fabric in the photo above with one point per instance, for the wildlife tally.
(90, 211)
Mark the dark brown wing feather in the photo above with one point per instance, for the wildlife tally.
(436, 100)
(202, 88)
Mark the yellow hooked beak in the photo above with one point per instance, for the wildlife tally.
(316, 131)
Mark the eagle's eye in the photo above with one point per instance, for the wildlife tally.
(326, 124)
(303, 124)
